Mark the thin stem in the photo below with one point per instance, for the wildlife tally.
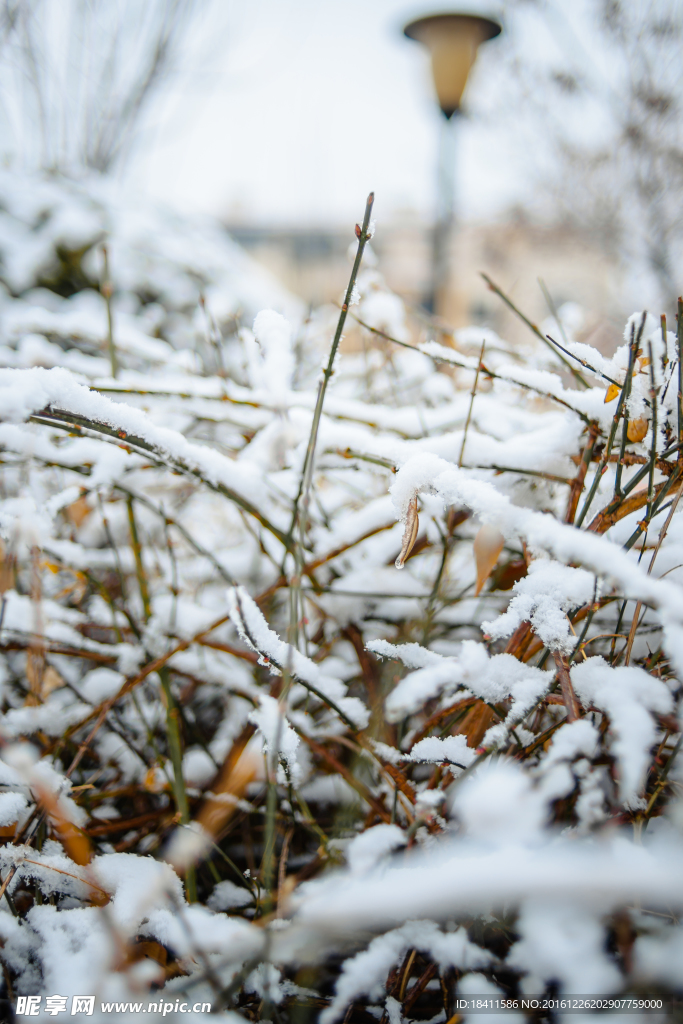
(624, 426)
(469, 411)
(679, 346)
(660, 540)
(452, 361)
(653, 451)
(602, 465)
(106, 289)
(71, 422)
(175, 749)
(363, 235)
(139, 567)
(532, 327)
(553, 309)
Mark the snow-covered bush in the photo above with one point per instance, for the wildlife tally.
(245, 758)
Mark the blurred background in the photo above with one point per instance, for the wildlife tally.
(278, 119)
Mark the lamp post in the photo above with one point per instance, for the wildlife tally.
(452, 40)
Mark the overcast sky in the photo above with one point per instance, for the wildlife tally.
(301, 108)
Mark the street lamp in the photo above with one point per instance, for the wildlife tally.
(452, 40)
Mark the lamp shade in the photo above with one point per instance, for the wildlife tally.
(453, 41)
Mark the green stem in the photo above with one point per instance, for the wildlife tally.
(624, 426)
(175, 750)
(653, 450)
(307, 474)
(269, 839)
(602, 465)
(679, 346)
(107, 290)
(469, 411)
(139, 567)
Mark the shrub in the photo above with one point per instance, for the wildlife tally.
(247, 760)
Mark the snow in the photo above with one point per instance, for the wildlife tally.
(562, 942)
(627, 694)
(278, 737)
(274, 335)
(466, 878)
(369, 848)
(363, 975)
(572, 739)
(228, 896)
(254, 630)
(543, 598)
(491, 678)
(451, 750)
(426, 781)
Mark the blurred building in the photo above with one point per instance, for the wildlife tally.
(314, 263)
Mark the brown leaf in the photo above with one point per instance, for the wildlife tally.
(410, 532)
(507, 574)
(242, 766)
(51, 681)
(78, 511)
(72, 838)
(7, 569)
(488, 544)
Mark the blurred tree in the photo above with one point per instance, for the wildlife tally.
(603, 81)
(76, 75)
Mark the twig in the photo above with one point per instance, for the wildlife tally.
(137, 554)
(579, 479)
(302, 503)
(653, 425)
(662, 535)
(679, 346)
(107, 291)
(532, 327)
(70, 422)
(568, 695)
(469, 411)
(453, 361)
(602, 465)
(628, 382)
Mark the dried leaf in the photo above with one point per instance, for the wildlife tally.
(611, 393)
(637, 429)
(72, 838)
(78, 510)
(51, 681)
(242, 766)
(410, 533)
(7, 571)
(488, 544)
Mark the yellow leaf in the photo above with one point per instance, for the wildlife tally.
(155, 780)
(611, 393)
(637, 429)
(488, 544)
